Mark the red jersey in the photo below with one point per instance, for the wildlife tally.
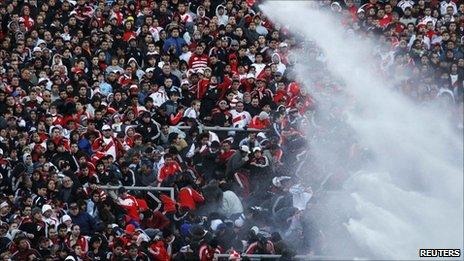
(168, 170)
(259, 124)
(189, 198)
(169, 205)
(159, 251)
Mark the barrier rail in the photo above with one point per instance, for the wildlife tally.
(297, 257)
(217, 128)
(149, 188)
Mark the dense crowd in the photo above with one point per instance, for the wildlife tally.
(120, 93)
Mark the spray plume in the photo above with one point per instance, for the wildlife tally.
(410, 195)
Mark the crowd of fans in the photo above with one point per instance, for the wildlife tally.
(118, 93)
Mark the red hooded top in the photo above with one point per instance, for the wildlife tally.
(189, 198)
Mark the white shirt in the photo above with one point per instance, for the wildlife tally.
(444, 5)
(185, 56)
(403, 4)
(111, 150)
(259, 68)
(159, 97)
(240, 119)
(191, 113)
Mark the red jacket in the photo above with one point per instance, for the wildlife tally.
(169, 205)
(203, 85)
(81, 241)
(158, 220)
(131, 205)
(168, 170)
(189, 198)
(259, 124)
(279, 95)
(225, 156)
(159, 249)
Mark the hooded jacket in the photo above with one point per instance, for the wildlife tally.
(224, 18)
(280, 66)
(231, 204)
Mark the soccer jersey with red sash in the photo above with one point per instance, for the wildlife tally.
(106, 146)
(240, 119)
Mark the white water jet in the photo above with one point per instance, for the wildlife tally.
(412, 195)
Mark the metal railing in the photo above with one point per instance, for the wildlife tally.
(297, 257)
(217, 128)
(149, 188)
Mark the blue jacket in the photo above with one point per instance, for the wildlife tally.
(178, 42)
(85, 222)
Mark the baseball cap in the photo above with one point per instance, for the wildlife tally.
(106, 127)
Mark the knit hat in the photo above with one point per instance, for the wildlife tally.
(215, 224)
(277, 181)
(263, 115)
(4, 204)
(185, 228)
(65, 218)
(46, 207)
(130, 228)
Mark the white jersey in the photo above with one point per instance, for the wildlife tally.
(110, 150)
(403, 4)
(159, 98)
(444, 5)
(191, 113)
(259, 68)
(240, 119)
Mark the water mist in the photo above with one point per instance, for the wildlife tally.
(410, 196)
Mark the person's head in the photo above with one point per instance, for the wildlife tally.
(74, 209)
(118, 250)
(62, 230)
(23, 243)
(27, 211)
(196, 104)
(47, 211)
(175, 32)
(174, 95)
(37, 214)
(107, 133)
(76, 230)
(133, 251)
(146, 117)
(96, 197)
(199, 50)
(42, 189)
(174, 138)
(239, 106)
(122, 192)
(165, 129)
(223, 105)
(204, 138)
(166, 69)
